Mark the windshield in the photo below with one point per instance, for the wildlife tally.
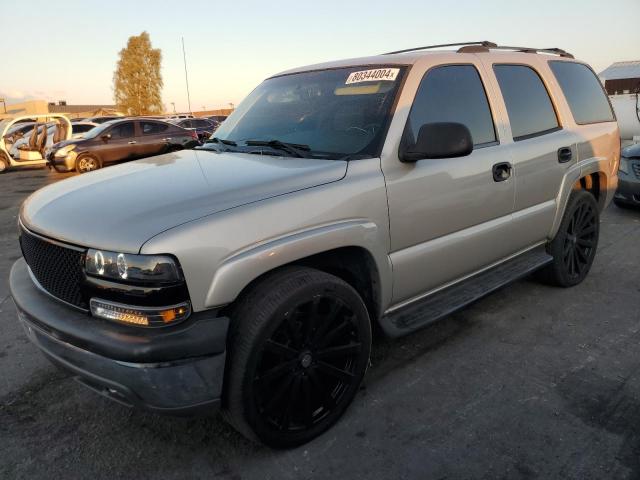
(336, 113)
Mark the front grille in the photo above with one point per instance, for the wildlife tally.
(636, 168)
(57, 268)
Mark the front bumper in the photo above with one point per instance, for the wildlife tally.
(62, 164)
(628, 189)
(175, 370)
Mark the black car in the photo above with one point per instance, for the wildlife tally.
(628, 192)
(117, 141)
(203, 127)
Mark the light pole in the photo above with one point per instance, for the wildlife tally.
(174, 107)
(4, 104)
(186, 77)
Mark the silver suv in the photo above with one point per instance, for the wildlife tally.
(388, 190)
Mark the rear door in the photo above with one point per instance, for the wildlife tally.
(153, 138)
(540, 148)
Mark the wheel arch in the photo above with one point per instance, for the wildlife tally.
(366, 268)
(588, 176)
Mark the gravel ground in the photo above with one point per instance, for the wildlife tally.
(531, 382)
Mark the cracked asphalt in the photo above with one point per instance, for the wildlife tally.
(531, 382)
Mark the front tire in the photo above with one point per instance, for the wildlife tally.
(299, 348)
(574, 246)
(87, 163)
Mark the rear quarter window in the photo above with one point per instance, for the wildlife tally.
(583, 91)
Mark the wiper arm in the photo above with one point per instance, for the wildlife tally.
(295, 149)
(220, 140)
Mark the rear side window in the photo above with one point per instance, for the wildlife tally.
(453, 93)
(528, 104)
(149, 128)
(583, 92)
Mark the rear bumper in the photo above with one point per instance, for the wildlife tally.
(628, 189)
(177, 370)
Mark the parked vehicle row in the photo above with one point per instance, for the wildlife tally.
(87, 144)
(119, 140)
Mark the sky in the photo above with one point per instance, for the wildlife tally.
(68, 50)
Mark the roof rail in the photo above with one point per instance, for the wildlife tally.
(483, 43)
(482, 48)
(485, 46)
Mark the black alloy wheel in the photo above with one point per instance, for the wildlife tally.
(307, 365)
(304, 364)
(574, 246)
(580, 240)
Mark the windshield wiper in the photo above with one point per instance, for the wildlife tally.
(220, 140)
(295, 149)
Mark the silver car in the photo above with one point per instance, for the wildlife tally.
(389, 190)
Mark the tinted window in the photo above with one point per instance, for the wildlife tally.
(185, 124)
(80, 128)
(453, 94)
(201, 123)
(583, 92)
(149, 128)
(528, 104)
(123, 130)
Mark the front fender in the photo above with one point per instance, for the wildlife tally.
(237, 271)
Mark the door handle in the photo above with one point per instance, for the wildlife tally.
(501, 171)
(132, 142)
(166, 139)
(565, 154)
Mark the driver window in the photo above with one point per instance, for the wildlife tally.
(123, 130)
(453, 93)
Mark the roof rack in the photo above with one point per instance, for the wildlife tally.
(485, 46)
(482, 43)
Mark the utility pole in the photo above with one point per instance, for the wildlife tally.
(186, 77)
(174, 107)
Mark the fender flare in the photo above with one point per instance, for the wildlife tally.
(573, 175)
(241, 268)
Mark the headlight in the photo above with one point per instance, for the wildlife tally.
(157, 269)
(64, 151)
(624, 165)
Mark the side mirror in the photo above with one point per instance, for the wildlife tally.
(439, 140)
(106, 137)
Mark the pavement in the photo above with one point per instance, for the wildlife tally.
(531, 382)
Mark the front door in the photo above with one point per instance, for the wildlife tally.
(448, 217)
(120, 143)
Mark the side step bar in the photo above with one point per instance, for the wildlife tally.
(434, 307)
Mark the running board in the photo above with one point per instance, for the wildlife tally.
(434, 307)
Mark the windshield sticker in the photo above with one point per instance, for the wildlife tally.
(376, 75)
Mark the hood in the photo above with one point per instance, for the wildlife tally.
(632, 151)
(121, 207)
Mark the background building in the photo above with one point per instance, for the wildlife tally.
(42, 107)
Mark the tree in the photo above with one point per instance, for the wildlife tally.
(137, 81)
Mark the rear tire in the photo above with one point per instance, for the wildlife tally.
(87, 163)
(574, 246)
(298, 350)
